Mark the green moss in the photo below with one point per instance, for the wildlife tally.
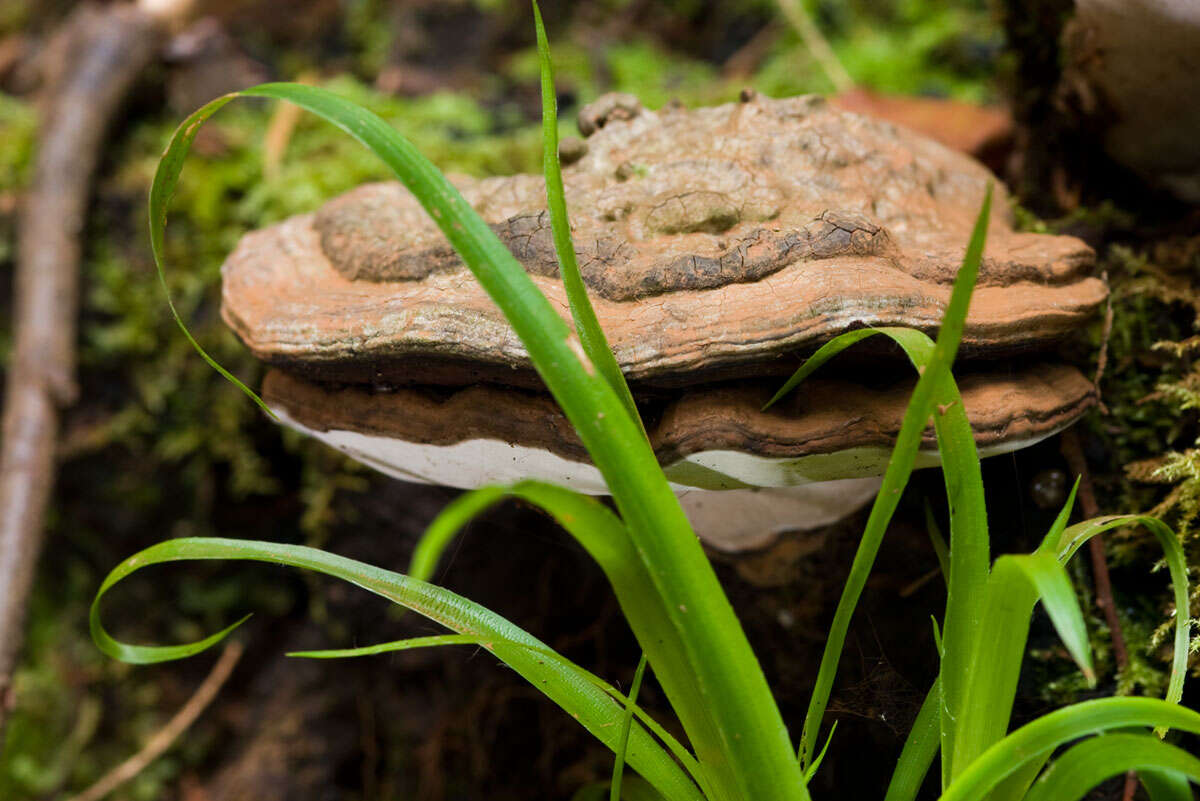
(18, 124)
(906, 47)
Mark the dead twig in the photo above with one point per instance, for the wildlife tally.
(1072, 451)
(167, 735)
(107, 49)
(816, 44)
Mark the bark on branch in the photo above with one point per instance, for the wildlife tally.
(107, 48)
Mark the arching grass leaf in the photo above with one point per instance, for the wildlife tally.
(570, 687)
(1075, 773)
(1034, 740)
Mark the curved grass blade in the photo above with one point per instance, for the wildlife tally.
(1074, 538)
(936, 389)
(408, 644)
(940, 549)
(567, 685)
(1016, 584)
(823, 354)
(1050, 583)
(634, 689)
(1054, 536)
(1162, 785)
(1034, 740)
(591, 336)
(1072, 775)
(604, 537)
(748, 749)
(1016, 784)
(964, 487)
(812, 769)
(680, 753)
(166, 177)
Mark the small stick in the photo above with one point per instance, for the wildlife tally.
(1072, 451)
(167, 735)
(279, 131)
(107, 49)
(816, 44)
(1105, 335)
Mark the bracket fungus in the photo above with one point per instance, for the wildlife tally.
(720, 246)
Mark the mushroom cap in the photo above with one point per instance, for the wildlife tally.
(706, 438)
(713, 241)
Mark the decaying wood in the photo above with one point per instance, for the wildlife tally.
(109, 48)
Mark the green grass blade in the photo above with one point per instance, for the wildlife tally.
(1165, 785)
(748, 748)
(632, 710)
(388, 647)
(823, 354)
(570, 687)
(635, 688)
(677, 750)
(1017, 583)
(940, 549)
(1053, 587)
(812, 769)
(445, 527)
(166, 178)
(1072, 775)
(969, 543)
(1034, 740)
(1074, 538)
(935, 390)
(604, 537)
(1054, 537)
(920, 748)
(591, 336)
(1016, 784)
(680, 753)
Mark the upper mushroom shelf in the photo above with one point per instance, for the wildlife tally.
(712, 240)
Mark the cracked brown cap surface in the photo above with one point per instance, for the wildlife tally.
(713, 240)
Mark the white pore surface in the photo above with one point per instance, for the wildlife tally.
(465, 465)
(784, 494)
(742, 520)
(762, 471)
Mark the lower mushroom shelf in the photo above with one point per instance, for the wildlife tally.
(826, 443)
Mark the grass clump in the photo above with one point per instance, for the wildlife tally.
(740, 746)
